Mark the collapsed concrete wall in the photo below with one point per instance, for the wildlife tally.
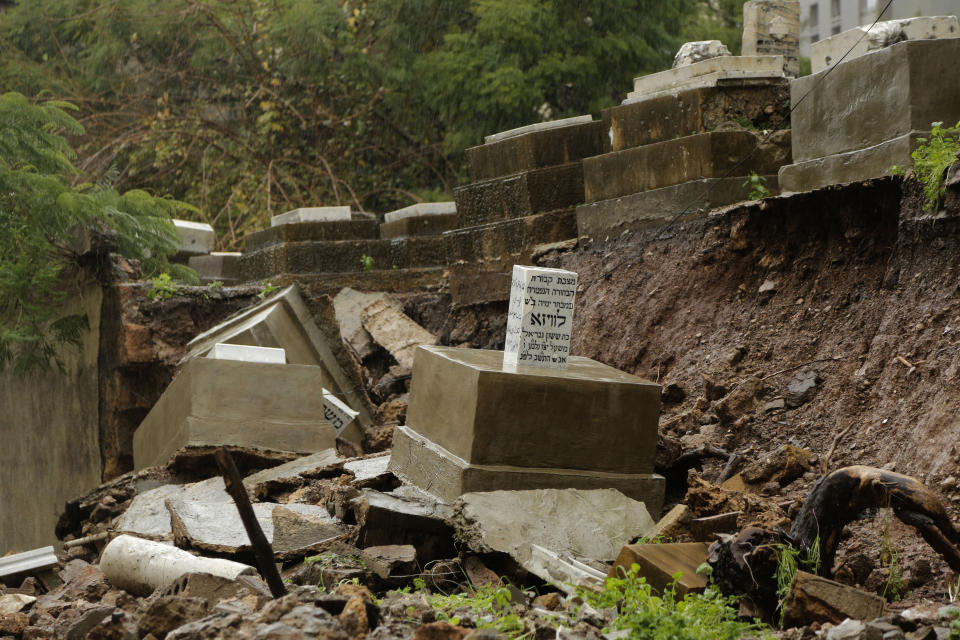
(50, 450)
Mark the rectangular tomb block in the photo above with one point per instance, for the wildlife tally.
(540, 317)
(312, 214)
(468, 402)
(196, 238)
(222, 266)
(337, 412)
(359, 227)
(658, 563)
(227, 402)
(887, 94)
(537, 126)
(420, 210)
(425, 218)
(772, 27)
(535, 149)
(857, 42)
(696, 157)
(707, 73)
(246, 353)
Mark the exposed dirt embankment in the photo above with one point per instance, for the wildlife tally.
(845, 282)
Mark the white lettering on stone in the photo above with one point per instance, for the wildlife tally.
(336, 412)
(540, 317)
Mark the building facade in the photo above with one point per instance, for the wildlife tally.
(821, 19)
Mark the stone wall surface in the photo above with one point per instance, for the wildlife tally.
(50, 451)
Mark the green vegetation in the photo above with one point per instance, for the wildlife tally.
(366, 263)
(790, 560)
(758, 186)
(268, 288)
(931, 159)
(894, 588)
(489, 604)
(162, 287)
(650, 617)
(44, 209)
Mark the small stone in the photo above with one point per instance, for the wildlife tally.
(14, 623)
(353, 618)
(549, 601)
(169, 612)
(14, 603)
(777, 404)
(846, 630)
(768, 286)
(439, 631)
(693, 52)
(672, 393)
(802, 388)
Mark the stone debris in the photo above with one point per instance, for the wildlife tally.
(816, 599)
(692, 52)
(395, 331)
(660, 562)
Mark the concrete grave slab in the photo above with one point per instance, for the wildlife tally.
(405, 519)
(813, 598)
(337, 412)
(247, 353)
(34, 560)
(887, 98)
(521, 194)
(535, 150)
(421, 210)
(147, 515)
(540, 317)
(472, 426)
(862, 40)
(697, 157)
(348, 305)
(659, 562)
(609, 218)
(368, 469)
(764, 105)
(196, 238)
(395, 331)
(592, 524)
(222, 266)
(225, 402)
(707, 73)
(290, 472)
(537, 126)
(284, 321)
(312, 214)
(772, 27)
(361, 226)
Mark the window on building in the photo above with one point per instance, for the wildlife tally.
(814, 18)
(835, 29)
(868, 11)
(834, 8)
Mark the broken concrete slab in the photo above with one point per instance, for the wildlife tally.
(348, 306)
(676, 519)
(659, 562)
(395, 331)
(858, 41)
(296, 532)
(284, 320)
(392, 560)
(292, 474)
(562, 570)
(227, 402)
(813, 598)
(706, 529)
(140, 566)
(195, 237)
(147, 515)
(537, 126)
(205, 586)
(312, 214)
(707, 73)
(369, 470)
(246, 353)
(593, 524)
(14, 603)
(692, 52)
(405, 519)
(19, 564)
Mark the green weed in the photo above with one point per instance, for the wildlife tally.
(162, 287)
(789, 561)
(366, 263)
(489, 604)
(708, 615)
(268, 288)
(931, 158)
(758, 186)
(894, 589)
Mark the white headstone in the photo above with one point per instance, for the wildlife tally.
(245, 353)
(540, 318)
(422, 209)
(312, 214)
(337, 412)
(195, 237)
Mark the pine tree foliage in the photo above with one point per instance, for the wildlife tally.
(41, 213)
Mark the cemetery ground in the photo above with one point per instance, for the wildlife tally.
(791, 336)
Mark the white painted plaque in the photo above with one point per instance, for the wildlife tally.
(245, 353)
(337, 412)
(540, 319)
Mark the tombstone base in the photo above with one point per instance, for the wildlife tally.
(425, 464)
(852, 166)
(609, 218)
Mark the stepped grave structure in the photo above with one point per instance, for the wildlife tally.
(686, 138)
(525, 185)
(491, 420)
(196, 239)
(241, 399)
(865, 115)
(772, 28)
(328, 248)
(422, 219)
